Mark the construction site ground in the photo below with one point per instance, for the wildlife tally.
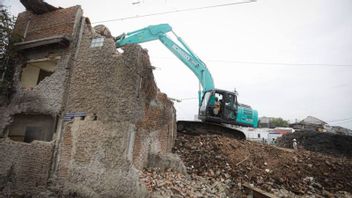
(219, 166)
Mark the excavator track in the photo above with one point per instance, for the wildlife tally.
(203, 128)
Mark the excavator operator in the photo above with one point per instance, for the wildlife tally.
(217, 107)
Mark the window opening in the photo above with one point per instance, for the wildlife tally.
(32, 133)
(27, 127)
(43, 74)
(97, 42)
(36, 71)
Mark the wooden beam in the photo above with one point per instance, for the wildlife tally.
(254, 192)
(60, 40)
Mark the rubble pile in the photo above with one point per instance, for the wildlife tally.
(329, 143)
(276, 170)
(173, 184)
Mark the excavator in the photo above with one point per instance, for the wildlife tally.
(219, 111)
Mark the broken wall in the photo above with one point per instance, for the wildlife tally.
(118, 94)
(24, 168)
(156, 131)
(109, 118)
(61, 22)
(46, 97)
(34, 109)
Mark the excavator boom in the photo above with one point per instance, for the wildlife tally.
(230, 113)
(182, 51)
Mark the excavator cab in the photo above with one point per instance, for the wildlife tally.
(218, 106)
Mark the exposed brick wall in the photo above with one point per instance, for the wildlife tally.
(92, 157)
(93, 161)
(24, 167)
(156, 132)
(59, 22)
(48, 96)
(96, 154)
(133, 118)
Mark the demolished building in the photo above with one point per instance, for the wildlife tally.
(309, 123)
(314, 124)
(83, 118)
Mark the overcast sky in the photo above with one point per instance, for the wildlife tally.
(286, 58)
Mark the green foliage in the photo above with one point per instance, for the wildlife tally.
(278, 122)
(7, 22)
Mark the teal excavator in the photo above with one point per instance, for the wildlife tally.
(219, 110)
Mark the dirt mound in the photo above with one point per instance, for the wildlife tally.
(328, 143)
(267, 167)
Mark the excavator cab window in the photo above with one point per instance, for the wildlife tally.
(230, 107)
(211, 104)
(208, 98)
(230, 101)
(218, 106)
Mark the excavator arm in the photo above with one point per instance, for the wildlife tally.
(182, 51)
(244, 115)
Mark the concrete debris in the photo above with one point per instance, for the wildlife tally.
(38, 6)
(338, 130)
(275, 170)
(174, 184)
(166, 161)
(103, 31)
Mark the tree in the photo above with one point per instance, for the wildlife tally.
(278, 122)
(7, 22)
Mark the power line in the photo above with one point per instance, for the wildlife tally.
(341, 120)
(182, 99)
(287, 64)
(174, 11)
(193, 98)
(272, 63)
